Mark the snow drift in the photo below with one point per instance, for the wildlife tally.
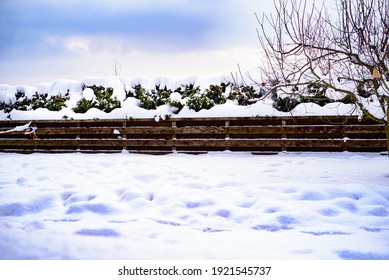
(215, 206)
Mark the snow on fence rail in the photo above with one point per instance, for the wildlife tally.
(195, 135)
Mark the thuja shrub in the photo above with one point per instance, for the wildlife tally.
(38, 100)
(199, 101)
(57, 102)
(83, 105)
(188, 90)
(52, 103)
(150, 99)
(245, 95)
(214, 95)
(312, 93)
(104, 100)
(286, 104)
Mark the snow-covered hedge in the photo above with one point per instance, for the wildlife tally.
(120, 97)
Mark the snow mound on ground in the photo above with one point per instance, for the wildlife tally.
(215, 206)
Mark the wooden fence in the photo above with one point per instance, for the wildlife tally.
(197, 135)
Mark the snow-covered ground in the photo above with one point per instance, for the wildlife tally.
(215, 206)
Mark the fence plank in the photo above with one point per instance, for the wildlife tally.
(306, 129)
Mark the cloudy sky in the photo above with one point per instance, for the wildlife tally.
(45, 40)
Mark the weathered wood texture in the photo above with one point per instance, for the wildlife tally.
(267, 134)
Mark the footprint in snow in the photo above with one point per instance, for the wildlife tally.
(21, 181)
(146, 178)
(68, 186)
(329, 212)
(33, 226)
(354, 255)
(72, 198)
(312, 196)
(97, 208)
(318, 233)
(98, 232)
(18, 209)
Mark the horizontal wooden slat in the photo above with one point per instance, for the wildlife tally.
(306, 129)
(85, 143)
(104, 130)
(296, 129)
(213, 143)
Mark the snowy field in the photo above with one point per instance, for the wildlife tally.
(215, 206)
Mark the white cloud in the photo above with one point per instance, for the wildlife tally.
(154, 50)
(77, 44)
(134, 63)
(71, 44)
(186, 6)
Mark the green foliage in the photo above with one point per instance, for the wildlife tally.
(245, 95)
(57, 102)
(192, 96)
(313, 93)
(84, 105)
(176, 104)
(214, 95)
(7, 107)
(319, 98)
(217, 93)
(139, 92)
(286, 104)
(23, 103)
(162, 93)
(39, 101)
(188, 90)
(199, 101)
(104, 101)
(150, 100)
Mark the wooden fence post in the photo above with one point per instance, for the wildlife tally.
(124, 135)
(174, 135)
(227, 136)
(283, 136)
(78, 136)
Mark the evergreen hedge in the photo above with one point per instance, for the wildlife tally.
(192, 96)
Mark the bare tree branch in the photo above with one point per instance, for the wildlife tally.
(345, 51)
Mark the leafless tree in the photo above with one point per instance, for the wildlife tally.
(343, 49)
(117, 68)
